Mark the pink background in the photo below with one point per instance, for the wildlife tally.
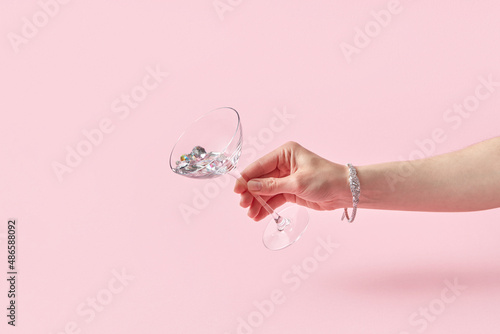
(120, 208)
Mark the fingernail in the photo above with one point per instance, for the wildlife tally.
(254, 185)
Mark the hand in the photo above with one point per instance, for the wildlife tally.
(294, 174)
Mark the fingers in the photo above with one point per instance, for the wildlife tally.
(257, 212)
(275, 162)
(241, 185)
(273, 186)
(246, 199)
(264, 165)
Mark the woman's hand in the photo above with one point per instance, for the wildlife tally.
(294, 174)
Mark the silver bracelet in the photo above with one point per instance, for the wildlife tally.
(355, 190)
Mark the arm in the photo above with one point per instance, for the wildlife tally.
(465, 180)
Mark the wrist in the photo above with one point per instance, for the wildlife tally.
(372, 186)
(342, 186)
(373, 183)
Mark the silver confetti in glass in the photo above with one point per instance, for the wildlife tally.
(211, 147)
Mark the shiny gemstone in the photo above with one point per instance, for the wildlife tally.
(199, 152)
(181, 164)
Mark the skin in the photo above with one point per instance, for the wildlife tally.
(465, 180)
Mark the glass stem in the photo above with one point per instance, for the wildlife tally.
(280, 221)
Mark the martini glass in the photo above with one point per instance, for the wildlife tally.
(211, 147)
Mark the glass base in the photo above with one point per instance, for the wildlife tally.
(298, 218)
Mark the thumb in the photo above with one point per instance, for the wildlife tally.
(272, 186)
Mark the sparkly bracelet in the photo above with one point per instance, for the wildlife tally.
(355, 190)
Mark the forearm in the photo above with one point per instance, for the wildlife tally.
(466, 180)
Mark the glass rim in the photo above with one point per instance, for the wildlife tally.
(197, 120)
